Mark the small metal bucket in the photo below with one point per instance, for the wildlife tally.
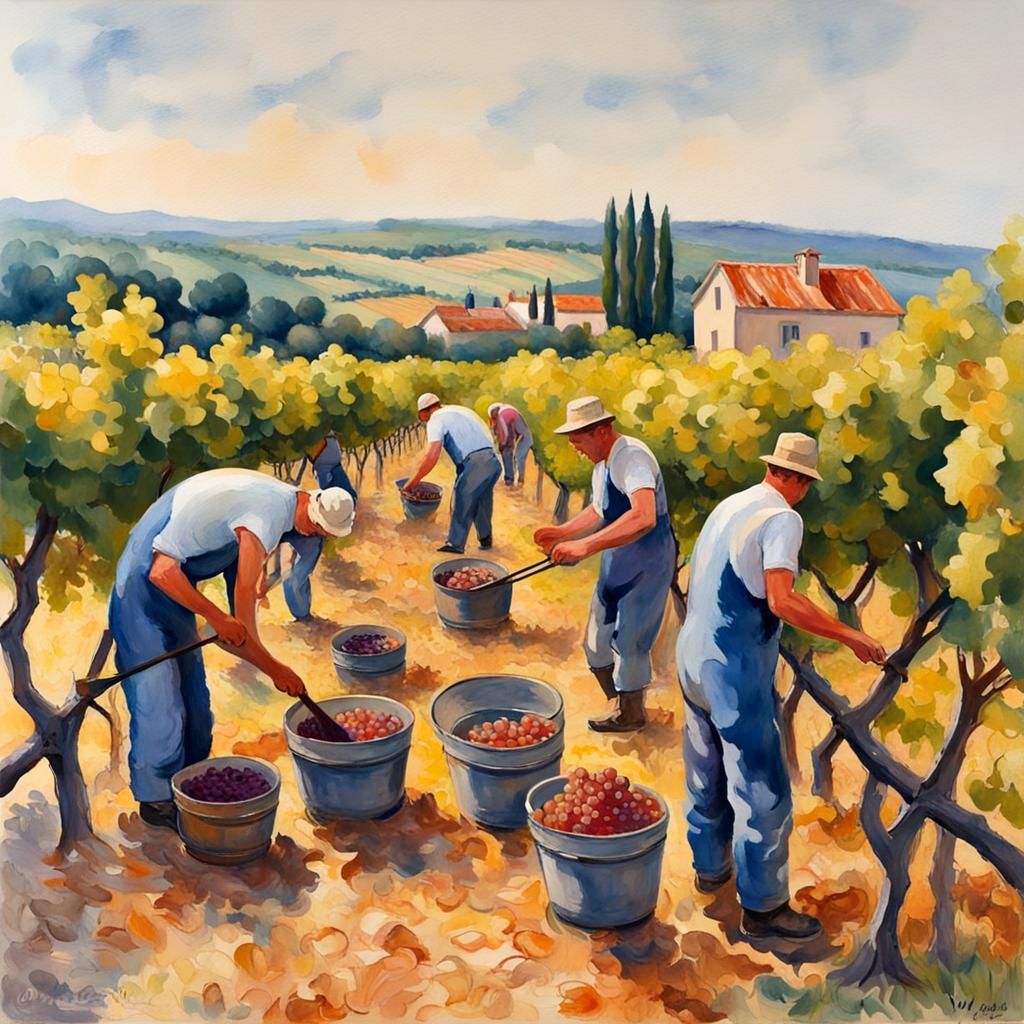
(599, 881)
(366, 664)
(419, 509)
(227, 833)
(360, 780)
(470, 609)
(491, 784)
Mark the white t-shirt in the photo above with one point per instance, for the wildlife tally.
(632, 467)
(207, 508)
(460, 430)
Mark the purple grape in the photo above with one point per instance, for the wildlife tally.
(369, 643)
(226, 785)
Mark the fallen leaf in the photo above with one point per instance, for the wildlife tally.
(536, 945)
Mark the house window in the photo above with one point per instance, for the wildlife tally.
(714, 341)
(865, 339)
(718, 298)
(790, 332)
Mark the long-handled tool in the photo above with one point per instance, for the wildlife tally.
(90, 689)
(517, 576)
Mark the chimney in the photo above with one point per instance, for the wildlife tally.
(807, 266)
(470, 300)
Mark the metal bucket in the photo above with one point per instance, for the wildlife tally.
(419, 509)
(230, 833)
(350, 780)
(491, 784)
(599, 881)
(469, 609)
(367, 664)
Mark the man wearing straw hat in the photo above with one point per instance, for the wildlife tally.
(464, 436)
(628, 523)
(739, 804)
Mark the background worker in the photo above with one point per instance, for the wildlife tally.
(514, 440)
(628, 523)
(740, 807)
(222, 522)
(464, 436)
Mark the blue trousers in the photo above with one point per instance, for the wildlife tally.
(473, 496)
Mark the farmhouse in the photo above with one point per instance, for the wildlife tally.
(743, 305)
(459, 325)
(569, 310)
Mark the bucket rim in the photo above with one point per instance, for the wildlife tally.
(421, 501)
(442, 732)
(380, 626)
(544, 830)
(180, 776)
(463, 560)
(363, 744)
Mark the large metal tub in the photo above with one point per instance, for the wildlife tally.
(471, 609)
(420, 509)
(599, 881)
(491, 784)
(350, 780)
(232, 833)
(367, 664)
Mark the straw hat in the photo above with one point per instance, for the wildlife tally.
(581, 413)
(427, 401)
(494, 408)
(796, 452)
(333, 510)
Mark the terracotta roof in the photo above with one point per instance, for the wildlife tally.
(778, 286)
(458, 319)
(579, 303)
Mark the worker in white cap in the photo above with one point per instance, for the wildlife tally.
(220, 523)
(628, 523)
(514, 440)
(739, 804)
(465, 437)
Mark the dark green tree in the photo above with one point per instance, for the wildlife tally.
(549, 305)
(664, 286)
(627, 267)
(610, 277)
(645, 273)
(532, 309)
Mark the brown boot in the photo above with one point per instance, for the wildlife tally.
(605, 677)
(628, 717)
(783, 923)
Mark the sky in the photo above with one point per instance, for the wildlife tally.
(889, 117)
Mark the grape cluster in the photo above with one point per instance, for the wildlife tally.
(226, 785)
(503, 732)
(359, 723)
(465, 579)
(600, 803)
(424, 492)
(370, 643)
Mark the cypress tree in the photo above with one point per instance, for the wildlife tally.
(549, 305)
(645, 273)
(627, 267)
(496, 303)
(532, 308)
(610, 278)
(664, 286)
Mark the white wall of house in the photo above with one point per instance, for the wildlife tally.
(433, 324)
(714, 316)
(765, 327)
(520, 311)
(598, 321)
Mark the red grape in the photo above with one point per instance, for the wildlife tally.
(468, 578)
(226, 785)
(601, 803)
(423, 492)
(503, 732)
(359, 723)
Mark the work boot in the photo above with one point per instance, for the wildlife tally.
(450, 549)
(486, 543)
(712, 882)
(159, 813)
(605, 677)
(628, 717)
(783, 923)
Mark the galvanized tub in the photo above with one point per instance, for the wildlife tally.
(227, 833)
(491, 784)
(471, 609)
(599, 881)
(350, 780)
(419, 509)
(367, 664)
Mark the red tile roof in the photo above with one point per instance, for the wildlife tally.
(458, 319)
(579, 303)
(839, 289)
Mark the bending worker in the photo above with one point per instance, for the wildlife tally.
(464, 436)
(222, 522)
(741, 585)
(628, 523)
(514, 440)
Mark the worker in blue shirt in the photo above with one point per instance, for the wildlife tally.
(465, 437)
(739, 804)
